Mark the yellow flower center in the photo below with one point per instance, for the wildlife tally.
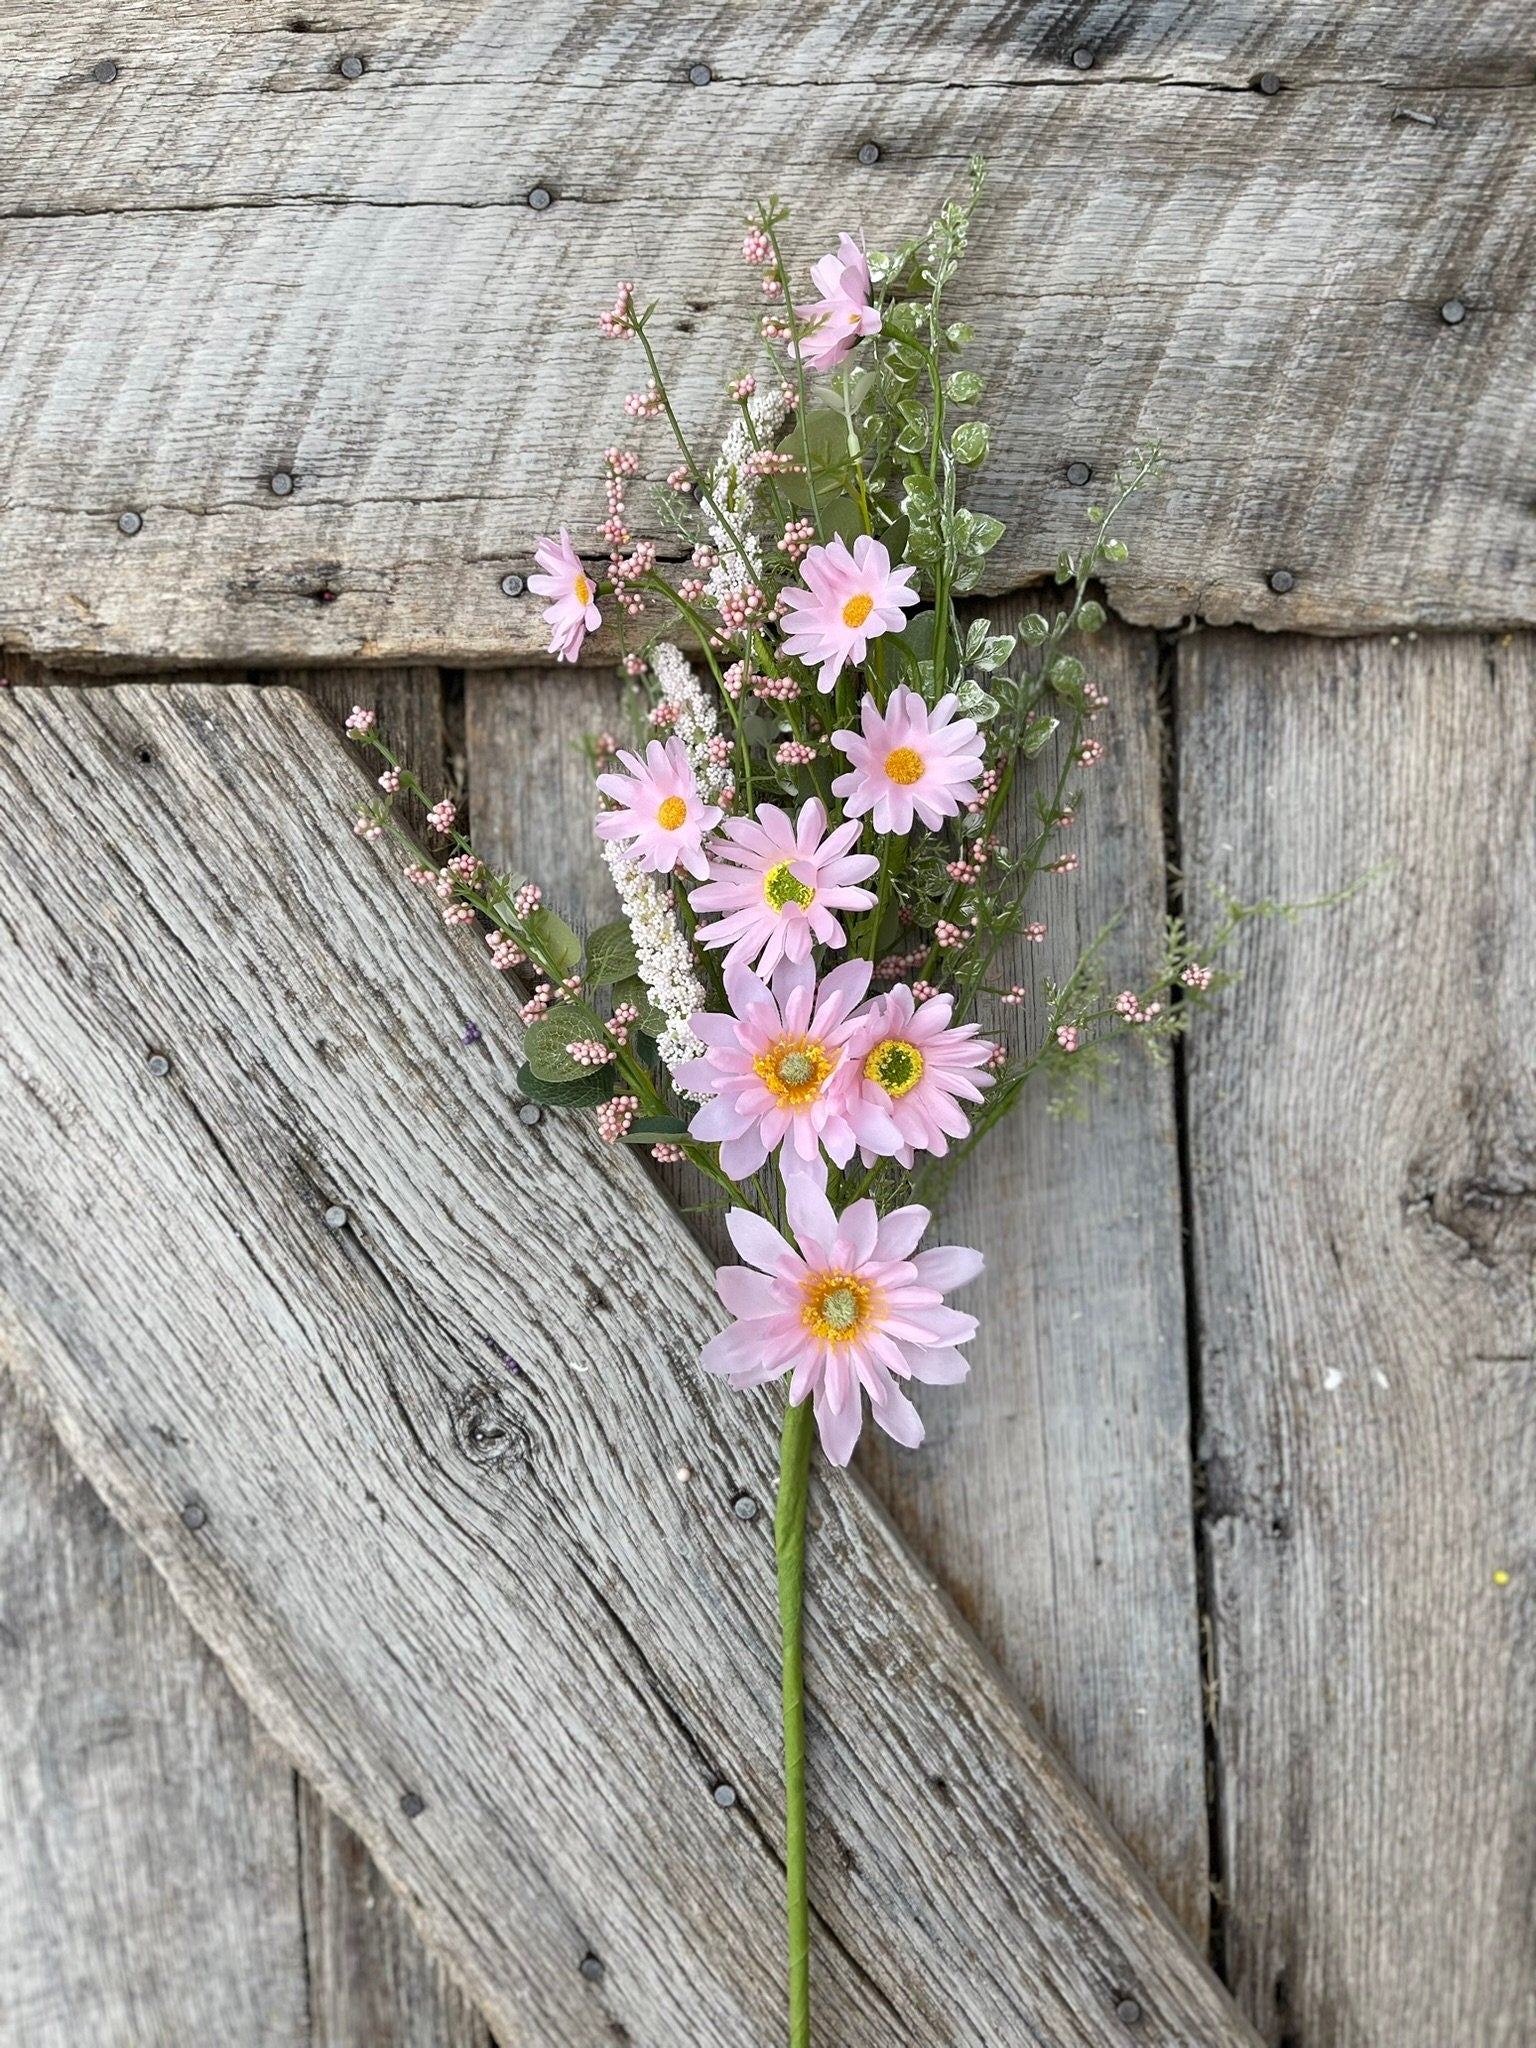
(673, 813)
(894, 1066)
(834, 1306)
(904, 765)
(858, 609)
(583, 589)
(780, 888)
(793, 1069)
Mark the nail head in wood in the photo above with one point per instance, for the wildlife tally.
(725, 1795)
(351, 67)
(1082, 58)
(280, 483)
(512, 586)
(335, 1217)
(744, 1507)
(104, 72)
(699, 74)
(529, 1114)
(1269, 83)
(412, 1804)
(869, 152)
(194, 1514)
(1079, 473)
(1129, 2011)
(591, 1967)
(1453, 312)
(159, 1065)
(540, 198)
(1282, 580)
(129, 522)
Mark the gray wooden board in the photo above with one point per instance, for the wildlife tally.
(1054, 1501)
(1363, 1142)
(230, 260)
(149, 1871)
(430, 1578)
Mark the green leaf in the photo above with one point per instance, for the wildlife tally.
(969, 443)
(1036, 733)
(986, 532)
(638, 996)
(1115, 551)
(1090, 618)
(645, 1130)
(975, 702)
(959, 335)
(904, 318)
(554, 945)
(610, 955)
(964, 387)
(545, 1043)
(1034, 630)
(994, 651)
(1066, 675)
(596, 1085)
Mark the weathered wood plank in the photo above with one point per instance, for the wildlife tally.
(1055, 1501)
(230, 260)
(149, 1878)
(1363, 1135)
(553, 1641)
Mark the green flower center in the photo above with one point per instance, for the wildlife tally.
(781, 888)
(840, 1308)
(894, 1066)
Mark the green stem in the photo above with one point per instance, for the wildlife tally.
(789, 1545)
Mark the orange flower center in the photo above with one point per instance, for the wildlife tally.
(583, 590)
(858, 609)
(793, 1069)
(904, 765)
(673, 813)
(834, 1306)
(895, 1066)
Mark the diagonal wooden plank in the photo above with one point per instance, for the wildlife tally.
(228, 261)
(516, 1629)
(1364, 1211)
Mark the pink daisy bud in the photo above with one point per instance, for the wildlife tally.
(843, 311)
(573, 614)
(849, 600)
(846, 1309)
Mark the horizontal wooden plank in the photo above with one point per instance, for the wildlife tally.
(514, 1627)
(230, 260)
(1363, 1150)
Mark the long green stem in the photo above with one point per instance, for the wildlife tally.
(789, 1545)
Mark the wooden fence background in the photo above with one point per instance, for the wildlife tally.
(1239, 1496)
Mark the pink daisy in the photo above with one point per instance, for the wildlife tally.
(908, 1065)
(848, 1312)
(843, 312)
(661, 816)
(774, 1069)
(573, 615)
(850, 600)
(778, 884)
(909, 760)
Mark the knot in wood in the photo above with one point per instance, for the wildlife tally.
(486, 1431)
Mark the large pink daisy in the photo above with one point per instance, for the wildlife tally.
(850, 600)
(847, 1309)
(909, 760)
(574, 613)
(843, 311)
(908, 1065)
(778, 885)
(774, 1069)
(660, 816)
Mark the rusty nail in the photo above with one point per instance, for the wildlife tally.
(159, 1065)
(129, 522)
(1082, 57)
(104, 72)
(869, 152)
(412, 1803)
(194, 1514)
(744, 1508)
(529, 1114)
(591, 1967)
(1079, 473)
(1269, 83)
(699, 74)
(1453, 312)
(725, 1795)
(280, 483)
(335, 1217)
(512, 586)
(1282, 580)
(1129, 2011)
(540, 198)
(351, 67)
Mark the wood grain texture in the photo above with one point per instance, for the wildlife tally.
(232, 260)
(1055, 1501)
(1363, 1140)
(493, 1593)
(149, 1875)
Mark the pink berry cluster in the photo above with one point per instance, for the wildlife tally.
(1130, 1007)
(590, 1052)
(360, 721)
(1196, 976)
(615, 1116)
(618, 323)
(505, 951)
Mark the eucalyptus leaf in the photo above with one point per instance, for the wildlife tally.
(596, 1085)
(546, 1040)
(554, 945)
(647, 1130)
(635, 993)
(610, 955)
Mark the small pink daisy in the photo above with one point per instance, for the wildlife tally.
(779, 883)
(843, 312)
(774, 1069)
(661, 816)
(573, 615)
(909, 760)
(908, 1065)
(847, 1309)
(850, 599)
